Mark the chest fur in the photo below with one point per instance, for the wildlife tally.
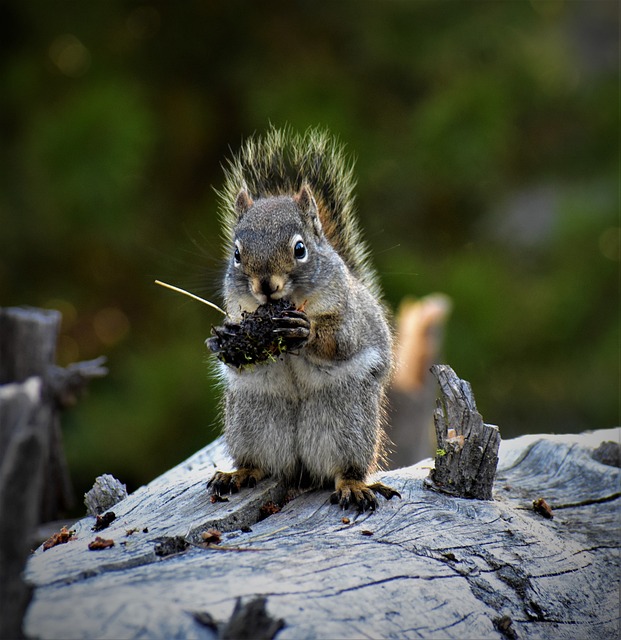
(297, 377)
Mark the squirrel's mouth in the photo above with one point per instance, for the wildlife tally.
(263, 299)
(268, 289)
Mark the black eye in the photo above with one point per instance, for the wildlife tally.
(299, 250)
(237, 256)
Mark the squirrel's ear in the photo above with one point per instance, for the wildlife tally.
(305, 200)
(243, 202)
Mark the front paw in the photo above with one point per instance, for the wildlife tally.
(261, 336)
(224, 482)
(292, 328)
(222, 336)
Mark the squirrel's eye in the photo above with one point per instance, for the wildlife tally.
(237, 256)
(299, 250)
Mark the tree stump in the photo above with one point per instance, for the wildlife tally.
(427, 566)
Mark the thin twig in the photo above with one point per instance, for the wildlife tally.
(191, 295)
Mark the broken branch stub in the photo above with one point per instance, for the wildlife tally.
(467, 453)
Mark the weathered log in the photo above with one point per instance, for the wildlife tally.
(428, 565)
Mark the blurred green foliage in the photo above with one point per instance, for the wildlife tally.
(486, 135)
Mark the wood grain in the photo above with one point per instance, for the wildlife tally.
(433, 566)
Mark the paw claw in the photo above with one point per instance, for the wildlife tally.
(295, 314)
(224, 482)
(355, 492)
(293, 327)
(384, 490)
(294, 331)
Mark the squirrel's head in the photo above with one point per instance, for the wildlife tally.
(278, 249)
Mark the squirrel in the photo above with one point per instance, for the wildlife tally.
(314, 416)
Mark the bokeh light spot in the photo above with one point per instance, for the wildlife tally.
(111, 325)
(70, 56)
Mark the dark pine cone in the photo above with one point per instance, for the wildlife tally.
(253, 340)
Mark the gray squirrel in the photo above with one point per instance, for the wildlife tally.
(312, 417)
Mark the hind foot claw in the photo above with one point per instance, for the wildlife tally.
(356, 492)
(224, 482)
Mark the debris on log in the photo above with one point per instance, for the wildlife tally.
(251, 621)
(467, 453)
(105, 493)
(608, 453)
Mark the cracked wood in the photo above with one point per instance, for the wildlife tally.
(435, 565)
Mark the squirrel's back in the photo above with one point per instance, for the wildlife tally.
(279, 163)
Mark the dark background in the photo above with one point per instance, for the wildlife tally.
(486, 138)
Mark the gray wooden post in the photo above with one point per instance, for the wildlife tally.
(34, 480)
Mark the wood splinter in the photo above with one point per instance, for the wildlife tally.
(467, 453)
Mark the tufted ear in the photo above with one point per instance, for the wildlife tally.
(243, 202)
(306, 202)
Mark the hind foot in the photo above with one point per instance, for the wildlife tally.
(224, 482)
(356, 492)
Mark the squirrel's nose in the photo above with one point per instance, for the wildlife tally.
(269, 287)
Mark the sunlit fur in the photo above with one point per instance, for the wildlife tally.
(318, 413)
(278, 163)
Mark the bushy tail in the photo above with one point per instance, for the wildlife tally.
(278, 163)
